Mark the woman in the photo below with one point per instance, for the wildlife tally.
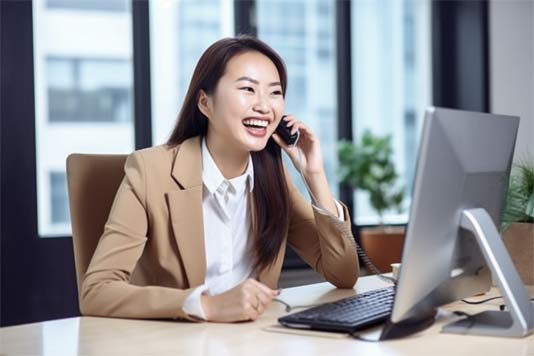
(199, 226)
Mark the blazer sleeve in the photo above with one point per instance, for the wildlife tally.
(106, 289)
(323, 241)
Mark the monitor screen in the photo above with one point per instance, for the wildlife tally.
(463, 163)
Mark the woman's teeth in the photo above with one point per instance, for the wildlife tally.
(256, 123)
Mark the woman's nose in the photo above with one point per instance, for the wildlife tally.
(262, 105)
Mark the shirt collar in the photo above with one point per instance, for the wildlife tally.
(213, 178)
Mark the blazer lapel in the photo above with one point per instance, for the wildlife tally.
(185, 208)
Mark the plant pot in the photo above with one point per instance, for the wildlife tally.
(383, 245)
(519, 241)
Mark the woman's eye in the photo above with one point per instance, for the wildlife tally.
(278, 92)
(249, 89)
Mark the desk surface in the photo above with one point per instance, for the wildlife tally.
(107, 336)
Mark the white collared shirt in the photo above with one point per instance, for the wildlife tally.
(227, 235)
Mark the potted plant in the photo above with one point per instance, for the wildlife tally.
(518, 219)
(368, 166)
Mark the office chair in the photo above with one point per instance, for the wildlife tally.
(92, 180)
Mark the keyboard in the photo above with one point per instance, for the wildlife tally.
(345, 315)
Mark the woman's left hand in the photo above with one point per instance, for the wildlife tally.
(309, 144)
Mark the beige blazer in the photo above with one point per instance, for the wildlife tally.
(151, 254)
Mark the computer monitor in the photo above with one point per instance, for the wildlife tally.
(452, 242)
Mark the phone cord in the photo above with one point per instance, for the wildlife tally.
(346, 232)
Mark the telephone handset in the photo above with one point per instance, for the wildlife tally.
(285, 133)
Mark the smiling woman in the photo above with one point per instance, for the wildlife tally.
(199, 226)
(254, 100)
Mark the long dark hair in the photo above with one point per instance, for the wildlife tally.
(270, 187)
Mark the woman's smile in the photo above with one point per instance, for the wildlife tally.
(257, 126)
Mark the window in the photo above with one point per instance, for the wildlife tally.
(391, 83)
(88, 90)
(58, 189)
(180, 31)
(83, 93)
(303, 33)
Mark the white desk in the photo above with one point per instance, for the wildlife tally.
(107, 336)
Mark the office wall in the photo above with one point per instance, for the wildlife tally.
(512, 66)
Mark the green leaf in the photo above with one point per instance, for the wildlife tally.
(529, 209)
(520, 196)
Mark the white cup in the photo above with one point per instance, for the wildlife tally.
(395, 268)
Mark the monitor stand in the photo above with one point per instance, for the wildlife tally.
(519, 320)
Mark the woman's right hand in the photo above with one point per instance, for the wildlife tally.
(246, 301)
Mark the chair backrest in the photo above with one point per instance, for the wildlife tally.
(93, 181)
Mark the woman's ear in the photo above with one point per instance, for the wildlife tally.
(204, 103)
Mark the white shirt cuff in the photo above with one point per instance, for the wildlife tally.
(192, 305)
(339, 208)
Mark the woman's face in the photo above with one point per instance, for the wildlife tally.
(247, 103)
